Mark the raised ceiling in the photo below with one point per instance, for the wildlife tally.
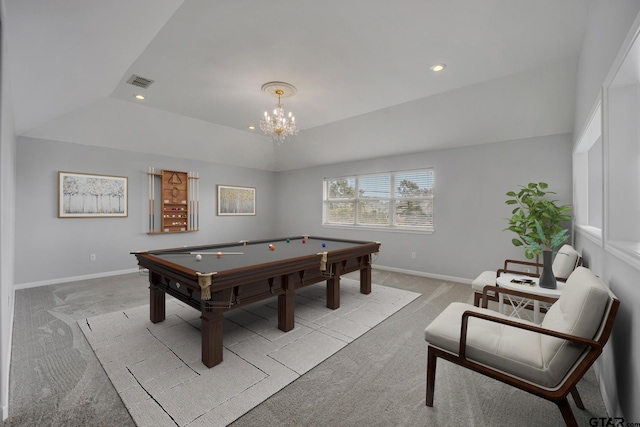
(69, 62)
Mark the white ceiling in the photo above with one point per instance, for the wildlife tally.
(69, 61)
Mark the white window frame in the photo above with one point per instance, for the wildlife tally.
(621, 145)
(392, 201)
(585, 176)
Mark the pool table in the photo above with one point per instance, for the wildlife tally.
(220, 277)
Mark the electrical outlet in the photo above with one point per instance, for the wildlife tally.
(413, 255)
(93, 257)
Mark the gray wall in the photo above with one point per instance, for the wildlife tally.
(619, 376)
(50, 249)
(470, 187)
(469, 207)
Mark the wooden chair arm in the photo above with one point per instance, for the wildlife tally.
(506, 269)
(525, 273)
(520, 262)
(537, 265)
(526, 326)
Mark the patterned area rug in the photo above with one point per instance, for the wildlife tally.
(157, 371)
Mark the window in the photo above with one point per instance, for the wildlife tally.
(594, 157)
(392, 200)
(588, 178)
(621, 153)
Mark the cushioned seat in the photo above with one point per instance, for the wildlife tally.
(486, 278)
(546, 360)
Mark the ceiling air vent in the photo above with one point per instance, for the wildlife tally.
(139, 81)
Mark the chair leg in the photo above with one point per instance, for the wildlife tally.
(567, 414)
(577, 398)
(476, 299)
(431, 375)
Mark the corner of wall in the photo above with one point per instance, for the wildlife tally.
(7, 220)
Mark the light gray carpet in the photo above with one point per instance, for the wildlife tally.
(157, 371)
(377, 380)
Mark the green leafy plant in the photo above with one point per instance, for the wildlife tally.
(537, 220)
(542, 243)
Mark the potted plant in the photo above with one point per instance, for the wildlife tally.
(537, 222)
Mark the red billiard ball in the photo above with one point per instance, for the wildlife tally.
(272, 247)
(219, 254)
(304, 241)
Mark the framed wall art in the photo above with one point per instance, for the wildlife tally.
(83, 195)
(236, 200)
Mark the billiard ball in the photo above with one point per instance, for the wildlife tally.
(272, 247)
(198, 257)
(324, 244)
(219, 254)
(304, 241)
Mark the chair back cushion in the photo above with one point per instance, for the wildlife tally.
(579, 311)
(565, 261)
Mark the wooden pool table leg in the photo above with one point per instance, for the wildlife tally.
(211, 323)
(333, 288)
(365, 279)
(156, 301)
(286, 305)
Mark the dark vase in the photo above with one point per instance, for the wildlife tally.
(547, 279)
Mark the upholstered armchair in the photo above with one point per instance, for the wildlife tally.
(547, 360)
(566, 260)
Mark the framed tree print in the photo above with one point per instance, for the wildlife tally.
(236, 200)
(83, 195)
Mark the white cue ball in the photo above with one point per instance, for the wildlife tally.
(198, 257)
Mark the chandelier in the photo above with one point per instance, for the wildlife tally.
(279, 127)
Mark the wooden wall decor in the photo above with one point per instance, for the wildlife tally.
(178, 201)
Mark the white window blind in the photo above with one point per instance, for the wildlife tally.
(340, 200)
(392, 200)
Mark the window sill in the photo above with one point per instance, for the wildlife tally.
(590, 233)
(384, 229)
(626, 251)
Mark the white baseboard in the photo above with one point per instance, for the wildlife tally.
(423, 274)
(611, 403)
(74, 278)
(135, 270)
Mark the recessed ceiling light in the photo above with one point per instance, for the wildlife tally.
(251, 127)
(438, 67)
(138, 96)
